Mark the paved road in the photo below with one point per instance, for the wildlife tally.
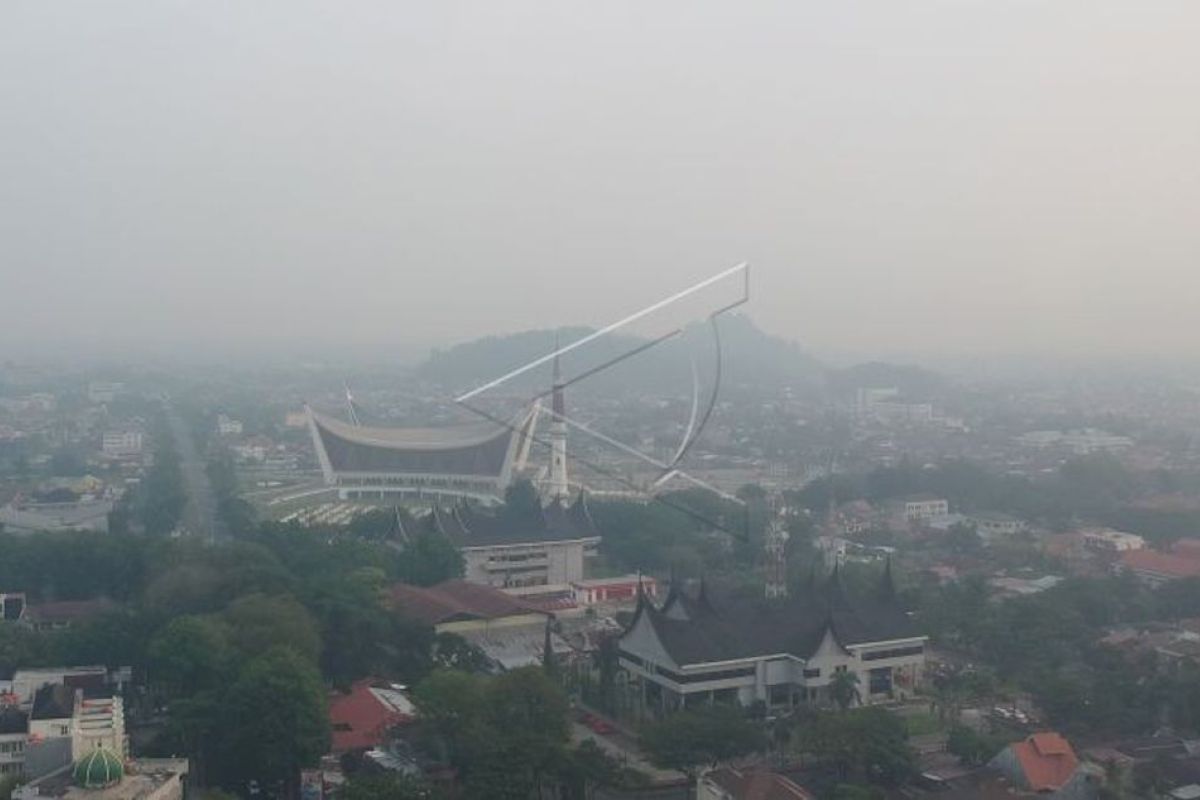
(200, 516)
(624, 751)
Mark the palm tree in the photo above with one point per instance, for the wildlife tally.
(843, 688)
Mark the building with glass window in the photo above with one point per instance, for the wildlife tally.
(782, 652)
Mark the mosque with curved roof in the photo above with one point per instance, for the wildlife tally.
(426, 465)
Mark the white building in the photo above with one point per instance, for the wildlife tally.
(227, 426)
(994, 525)
(922, 508)
(122, 443)
(1081, 442)
(545, 551)
(783, 652)
(1107, 540)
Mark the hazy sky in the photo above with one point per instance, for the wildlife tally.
(924, 177)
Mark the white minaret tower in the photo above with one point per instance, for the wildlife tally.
(775, 544)
(557, 488)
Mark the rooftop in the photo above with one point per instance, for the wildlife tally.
(468, 526)
(454, 601)
(361, 717)
(757, 784)
(1047, 760)
(700, 630)
(143, 778)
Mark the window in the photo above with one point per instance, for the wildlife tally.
(880, 681)
(896, 652)
(815, 672)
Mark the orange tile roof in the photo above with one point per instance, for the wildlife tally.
(1047, 760)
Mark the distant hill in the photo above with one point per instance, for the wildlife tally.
(751, 359)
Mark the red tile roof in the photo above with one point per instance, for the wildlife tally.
(455, 600)
(1182, 562)
(360, 719)
(1047, 760)
(68, 611)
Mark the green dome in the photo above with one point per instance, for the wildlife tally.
(99, 769)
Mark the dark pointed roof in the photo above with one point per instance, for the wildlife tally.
(713, 629)
(466, 526)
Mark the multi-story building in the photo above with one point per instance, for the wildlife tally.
(14, 734)
(121, 443)
(1107, 540)
(227, 426)
(995, 525)
(922, 508)
(783, 652)
(550, 549)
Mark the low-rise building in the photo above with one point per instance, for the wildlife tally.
(24, 517)
(1107, 540)
(599, 591)
(783, 651)
(1043, 762)
(995, 525)
(1156, 567)
(362, 718)
(102, 775)
(758, 783)
(508, 630)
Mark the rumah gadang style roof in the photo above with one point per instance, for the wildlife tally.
(455, 601)
(700, 630)
(467, 526)
(475, 449)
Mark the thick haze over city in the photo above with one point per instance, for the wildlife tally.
(660, 400)
(906, 179)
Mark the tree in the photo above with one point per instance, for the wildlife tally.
(691, 740)
(843, 688)
(864, 745)
(259, 623)
(529, 710)
(587, 768)
(972, 748)
(275, 721)
(451, 706)
(429, 558)
(521, 503)
(388, 786)
(191, 654)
